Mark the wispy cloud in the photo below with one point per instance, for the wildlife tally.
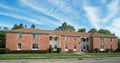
(21, 17)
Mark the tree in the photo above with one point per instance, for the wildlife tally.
(16, 26)
(66, 27)
(119, 43)
(104, 31)
(21, 25)
(93, 30)
(81, 30)
(25, 26)
(2, 39)
(32, 26)
(5, 28)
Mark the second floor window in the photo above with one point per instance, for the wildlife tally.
(50, 38)
(74, 37)
(66, 37)
(101, 39)
(35, 35)
(55, 38)
(110, 39)
(19, 35)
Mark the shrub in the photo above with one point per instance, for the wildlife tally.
(70, 51)
(58, 50)
(109, 50)
(27, 51)
(4, 50)
(96, 50)
(50, 50)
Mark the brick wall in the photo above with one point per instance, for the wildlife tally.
(70, 42)
(106, 43)
(27, 40)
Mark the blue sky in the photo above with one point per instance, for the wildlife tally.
(49, 14)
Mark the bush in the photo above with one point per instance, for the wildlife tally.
(109, 50)
(58, 50)
(70, 51)
(50, 50)
(4, 50)
(96, 50)
(27, 51)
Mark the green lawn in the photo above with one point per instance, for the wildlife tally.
(56, 56)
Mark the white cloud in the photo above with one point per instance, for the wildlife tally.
(92, 13)
(113, 9)
(21, 17)
(115, 26)
(5, 25)
(54, 10)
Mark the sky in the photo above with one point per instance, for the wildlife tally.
(49, 14)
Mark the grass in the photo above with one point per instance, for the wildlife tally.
(56, 56)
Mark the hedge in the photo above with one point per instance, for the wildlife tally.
(27, 51)
(4, 50)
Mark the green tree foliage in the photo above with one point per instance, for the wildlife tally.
(119, 43)
(33, 26)
(93, 30)
(66, 27)
(16, 26)
(5, 28)
(81, 30)
(104, 31)
(2, 39)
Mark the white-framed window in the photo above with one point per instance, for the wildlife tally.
(19, 46)
(101, 46)
(34, 46)
(110, 39)
(50, 38)
(110, 46)
(74, 37)
(55, 38)
(74, 46)
(101, 39)
(19, 35)
(66, 46)
(55, 46)
(35, 35)
(66, 37)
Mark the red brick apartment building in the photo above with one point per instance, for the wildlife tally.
(35, 39)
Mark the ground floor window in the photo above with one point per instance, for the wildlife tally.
(74, 46)
(34, 46)
(55, 46)
(66, 46)
(102, 46)
(19, 46)
(110, 46)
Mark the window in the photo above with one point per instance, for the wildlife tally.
(35, 35)
(55, 46)
(74, 37)
(50, 38)
(55, 38)
(50, 46)
(19, 35)
(66, 37)
(111, 39)
(74, 46)
(19, 46)
(110, 46)
(83, 46)
(101, 39)
(66, 46)
(35, 46)
(101, 46)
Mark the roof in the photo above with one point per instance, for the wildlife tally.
(52, 32)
